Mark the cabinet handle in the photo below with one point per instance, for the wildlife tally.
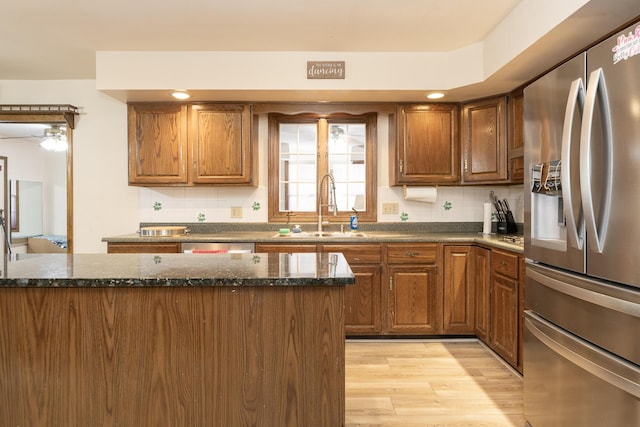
(390, 283)
(466, 165)
(401, 166)
(412, 254)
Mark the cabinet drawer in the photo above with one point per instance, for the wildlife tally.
(504, 263)
(417, 253)
(357, 254)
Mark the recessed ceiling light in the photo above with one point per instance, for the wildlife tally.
(435, 95)
(180, 94)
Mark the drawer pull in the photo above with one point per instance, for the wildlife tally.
(412, 254)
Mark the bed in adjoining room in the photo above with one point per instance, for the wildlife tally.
(47, 244)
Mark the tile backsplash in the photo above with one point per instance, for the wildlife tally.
(249, 204)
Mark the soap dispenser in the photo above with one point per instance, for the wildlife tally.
(353, 220)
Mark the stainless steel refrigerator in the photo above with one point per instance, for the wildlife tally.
(582, 239)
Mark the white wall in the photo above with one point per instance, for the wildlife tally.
(27, 161)
(104, 204)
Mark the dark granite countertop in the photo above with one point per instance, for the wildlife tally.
(144, 270)
(389, 236)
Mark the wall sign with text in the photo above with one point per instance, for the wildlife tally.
(325, 70)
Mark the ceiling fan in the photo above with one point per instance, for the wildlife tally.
(54, 138)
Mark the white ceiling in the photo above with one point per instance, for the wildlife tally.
(44, 39)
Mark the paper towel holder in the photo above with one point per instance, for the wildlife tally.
(429, 197)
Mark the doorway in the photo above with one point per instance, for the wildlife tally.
(53, 120)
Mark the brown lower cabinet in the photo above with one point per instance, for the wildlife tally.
(419, 289)
(413, 294)
(363, 299)
(499, 281)
(458, 290)
(482, 279)
(503, 305)
(396, 291)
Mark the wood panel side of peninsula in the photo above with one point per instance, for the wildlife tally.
(172, 356)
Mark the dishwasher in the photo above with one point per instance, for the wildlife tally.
(218, 248)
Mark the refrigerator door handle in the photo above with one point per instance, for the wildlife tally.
(575, 99)
(596, 93)
(616, 304)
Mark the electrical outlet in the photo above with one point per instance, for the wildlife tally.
(236, 211)
(390, 208)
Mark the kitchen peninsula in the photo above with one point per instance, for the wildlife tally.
(173, 339)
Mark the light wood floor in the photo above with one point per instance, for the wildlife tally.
(426, 383)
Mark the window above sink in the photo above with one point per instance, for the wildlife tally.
(305, 147)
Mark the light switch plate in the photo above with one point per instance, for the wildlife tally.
(389, 208)
(236, 211)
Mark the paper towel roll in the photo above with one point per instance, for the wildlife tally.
(486, 218)
(420, 194)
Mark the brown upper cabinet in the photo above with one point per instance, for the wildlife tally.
(484, 141)
(424, 146)
(195, 144)
(157, 144)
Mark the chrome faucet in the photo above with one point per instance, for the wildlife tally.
(331, 203)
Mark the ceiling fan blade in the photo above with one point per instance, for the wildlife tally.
(21, 137)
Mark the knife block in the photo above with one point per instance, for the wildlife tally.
(507, 227)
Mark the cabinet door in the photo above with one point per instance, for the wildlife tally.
(484, 141)
(482, 277)
(458, 296)
(362, 305)
(362, 301)
(157, 144)
(221, 146)
(425, 147)
(413, 300)
(504, 317)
